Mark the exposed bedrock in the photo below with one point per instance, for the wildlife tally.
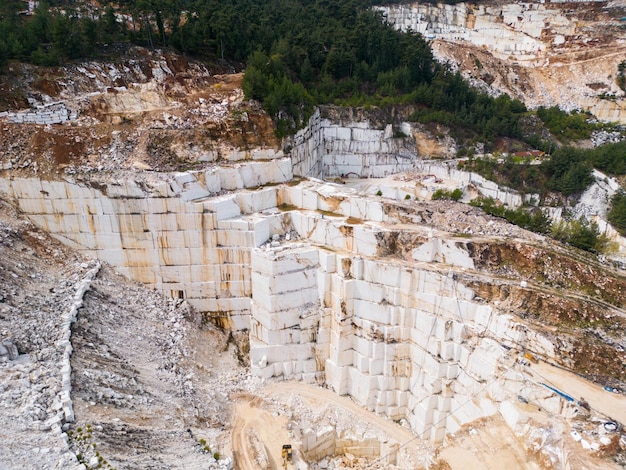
(544, 53)
(338, 288)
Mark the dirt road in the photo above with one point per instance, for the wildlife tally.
(254, 424)
(258, 436)
(611, 405)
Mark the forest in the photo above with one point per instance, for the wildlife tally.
(296, 53)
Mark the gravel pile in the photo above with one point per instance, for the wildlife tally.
(143, 381)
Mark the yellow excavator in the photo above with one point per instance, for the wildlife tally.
(287, 454)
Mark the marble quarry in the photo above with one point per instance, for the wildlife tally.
(557, 52)
(328, 148)
(302, 266)
(512, 29)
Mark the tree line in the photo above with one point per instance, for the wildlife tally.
(296, 53)
(49, 36)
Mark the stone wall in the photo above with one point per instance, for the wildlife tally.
(326, 149)
(513, 29)
(176, 234)
(55, 113)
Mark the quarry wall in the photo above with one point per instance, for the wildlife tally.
(510, 29)
(303, 269)
(168, 234)
(326, 149)
(404, 339)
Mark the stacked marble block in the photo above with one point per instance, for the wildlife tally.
(167, 233)
(285, 319)
(379, 342)
(418, 346)
(325, 149)
(403, 342)
(52, 114)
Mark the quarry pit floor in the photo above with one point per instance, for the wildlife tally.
(266, 420)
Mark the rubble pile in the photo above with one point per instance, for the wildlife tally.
(38, 282)
(134, 364)
(148, 110)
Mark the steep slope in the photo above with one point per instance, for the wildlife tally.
(544, 54)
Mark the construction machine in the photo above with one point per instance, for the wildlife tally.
(287, 454)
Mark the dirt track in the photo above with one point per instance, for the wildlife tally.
(270, 428)
(612, 405)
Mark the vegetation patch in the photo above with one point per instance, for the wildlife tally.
(531, 219)
(82, 442)
(568, 126)
(445, 194)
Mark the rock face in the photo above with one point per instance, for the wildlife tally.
(351, 147)
(403, 342)
(8, 349)
(424, 312)
(545, 54)
(328, 288)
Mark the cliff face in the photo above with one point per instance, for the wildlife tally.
(422, 311)
(544, 54)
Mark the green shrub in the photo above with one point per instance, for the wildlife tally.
(568, 126)
(445, 194)
(580, 233)
(617, 213)
(533, 219)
